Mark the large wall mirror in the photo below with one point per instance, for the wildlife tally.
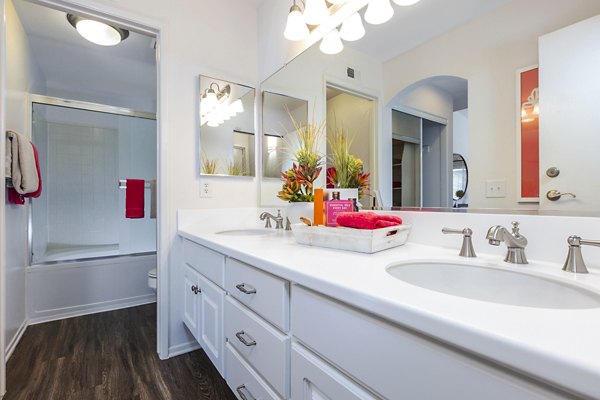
(226, 128)
(510, 85)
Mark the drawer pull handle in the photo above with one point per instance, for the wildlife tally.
(240, 389)
(196, 289)
(242, 288)
(240, 336)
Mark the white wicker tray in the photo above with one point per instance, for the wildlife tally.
(360, 240)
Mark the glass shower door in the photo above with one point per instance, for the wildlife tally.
(82, 155)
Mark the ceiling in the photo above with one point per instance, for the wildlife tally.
(123, 75)
(414, 25)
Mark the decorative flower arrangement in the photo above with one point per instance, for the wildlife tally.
(298, 181)
(346, 171)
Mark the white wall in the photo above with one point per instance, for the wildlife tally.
(22, 76)
(487, 52)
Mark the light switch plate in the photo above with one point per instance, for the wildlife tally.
(495, 188)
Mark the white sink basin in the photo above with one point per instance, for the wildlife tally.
(246, 232)
(495, 285)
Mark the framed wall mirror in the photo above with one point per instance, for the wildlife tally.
(227, 140)
(460, 78)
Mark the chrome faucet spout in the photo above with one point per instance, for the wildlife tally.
(515, 242)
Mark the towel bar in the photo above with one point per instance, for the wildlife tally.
(123, 184)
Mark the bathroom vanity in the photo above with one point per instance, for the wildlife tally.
(285, 321)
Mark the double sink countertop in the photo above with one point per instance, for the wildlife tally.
(559, 346)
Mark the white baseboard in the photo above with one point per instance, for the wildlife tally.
(183, 348)
(15, 340)
(77, 311)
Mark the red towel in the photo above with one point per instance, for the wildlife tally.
(16, 198)
(134, 198)
(38, 192)
(367, 220)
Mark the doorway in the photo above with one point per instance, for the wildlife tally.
(353, 113)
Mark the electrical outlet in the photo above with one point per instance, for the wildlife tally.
(495, 188)
(205, 190)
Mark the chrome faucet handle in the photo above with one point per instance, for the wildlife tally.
(466, 249)
(288, 224)
(574, 262)
(278, 220)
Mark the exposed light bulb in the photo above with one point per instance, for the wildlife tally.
(296, 28)
(331, 43)
(406, 2)
(315, 12)
(237, 106)
(211, 100)
(98, 32)
(352, 29)
(378, 12)
(212, 122)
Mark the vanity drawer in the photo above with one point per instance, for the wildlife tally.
(209, 263)
(262, 292)
(312, 378)
(263, 346)
(243, 380)
(397, 363)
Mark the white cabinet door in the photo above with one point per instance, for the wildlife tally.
(190, 294)
(569, 117)
(313, 379)
(210, 321)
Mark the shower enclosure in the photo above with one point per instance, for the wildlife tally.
(84, 151)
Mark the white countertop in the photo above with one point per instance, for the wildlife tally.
(554, 345)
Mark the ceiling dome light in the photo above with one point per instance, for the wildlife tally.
(296, 28)
(378, 12)
(352, 29)
(406, 2)
(97, 32)
(331, 43)
(315, 12)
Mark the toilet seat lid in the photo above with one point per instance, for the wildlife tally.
(152, 273)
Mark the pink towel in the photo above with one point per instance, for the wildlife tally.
(134, 198)
(367, 220)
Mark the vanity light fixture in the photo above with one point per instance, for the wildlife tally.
(315, 12)
(378, 12)
(531, 108)
(97, 32)
(296, 28)
(331, 43)
(352, 29)
(213, 110)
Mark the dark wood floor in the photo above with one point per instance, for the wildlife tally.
(109, 355)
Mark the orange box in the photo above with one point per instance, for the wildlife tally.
(318, 218)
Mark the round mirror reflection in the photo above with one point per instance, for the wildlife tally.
(460, 178)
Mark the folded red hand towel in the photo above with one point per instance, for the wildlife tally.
(367, 220)
(134, 198)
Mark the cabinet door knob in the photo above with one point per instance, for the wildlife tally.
(196, 289)
(242, 287)
(240, 389)
(241, 338)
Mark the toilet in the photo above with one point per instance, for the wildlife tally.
(152, 279)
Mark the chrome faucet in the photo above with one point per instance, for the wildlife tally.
(574, 262)
(466, 249)
(268, 217)
(515, 242)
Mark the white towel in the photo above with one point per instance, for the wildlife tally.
(20, 163)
